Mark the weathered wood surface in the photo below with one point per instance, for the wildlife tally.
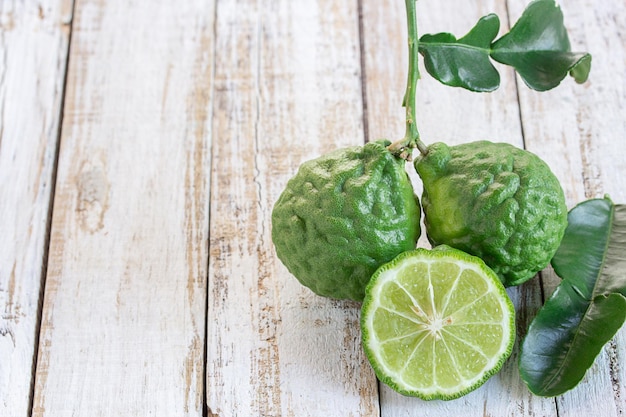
(33, 53)
(181, 123)
(287, 88)
(123, 322)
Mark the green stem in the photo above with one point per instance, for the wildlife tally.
(413, 75)
(411, 138)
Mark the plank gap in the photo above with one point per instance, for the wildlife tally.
(518, 99)
(543, 281)
(68, 25)
(206, 411)
(363, 64)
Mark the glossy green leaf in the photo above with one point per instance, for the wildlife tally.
(587, 308)
(464, 62)
(539, 49)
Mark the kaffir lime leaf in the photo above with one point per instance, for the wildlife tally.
(342, 216)
(495, 201)
(436, 324)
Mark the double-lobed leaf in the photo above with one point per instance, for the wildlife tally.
(587, 308)
(537, 46)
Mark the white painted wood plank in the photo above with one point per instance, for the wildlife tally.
(579, 130)
(287, 89)
(124, 308)
(453, 116)
(33, 49)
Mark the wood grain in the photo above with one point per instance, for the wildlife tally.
(181, 125)
(34, 40)
(287, 88)
(124, 312)
(579, 130)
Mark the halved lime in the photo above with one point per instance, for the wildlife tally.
(436, 324)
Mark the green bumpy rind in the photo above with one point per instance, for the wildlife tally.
(495, 201)
(342, 216)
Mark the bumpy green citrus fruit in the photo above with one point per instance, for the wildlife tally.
(495, 201)
(342, 216)
(436, 324)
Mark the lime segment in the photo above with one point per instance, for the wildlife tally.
(436, 324)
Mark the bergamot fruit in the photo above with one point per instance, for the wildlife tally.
(342, 216)
(494, 201)
(436, 324)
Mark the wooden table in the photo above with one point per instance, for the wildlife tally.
(142, 146)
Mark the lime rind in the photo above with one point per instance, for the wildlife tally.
(343, 215)
(456, 365)
(495, 201)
